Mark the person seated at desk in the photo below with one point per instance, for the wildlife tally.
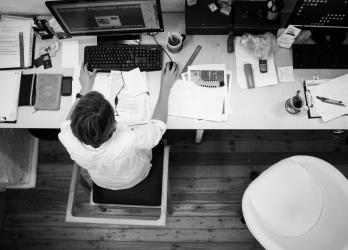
(116, 156)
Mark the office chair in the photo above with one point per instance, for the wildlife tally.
(300, 202)
(143, 204)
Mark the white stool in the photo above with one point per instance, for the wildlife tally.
(298, 203)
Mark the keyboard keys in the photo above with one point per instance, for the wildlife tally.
(313, 56)
(124, 57)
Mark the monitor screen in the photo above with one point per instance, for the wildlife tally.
(318, 14)
(107, 16)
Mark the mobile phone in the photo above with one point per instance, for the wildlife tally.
(66, 86)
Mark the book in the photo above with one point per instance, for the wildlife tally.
(48, 87)
(16, 42)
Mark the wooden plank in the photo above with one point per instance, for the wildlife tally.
(208, 184)
(173, 222)
(148, 234)
(2, 208)
(249, 158)
(29, 244)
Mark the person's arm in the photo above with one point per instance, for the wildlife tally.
(167, 80)
(86, 81)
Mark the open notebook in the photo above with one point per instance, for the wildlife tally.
(133, 101)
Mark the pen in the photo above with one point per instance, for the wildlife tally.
(327, 100)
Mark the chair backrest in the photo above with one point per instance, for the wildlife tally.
(298, 203)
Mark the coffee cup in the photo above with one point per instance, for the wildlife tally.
(175, 42)
(294, 104)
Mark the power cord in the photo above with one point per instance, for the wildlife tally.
(153, 35)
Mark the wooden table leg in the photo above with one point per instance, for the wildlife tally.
(199, 135)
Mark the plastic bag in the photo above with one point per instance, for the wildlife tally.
(260, 46)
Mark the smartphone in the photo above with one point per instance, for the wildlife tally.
(66, 86)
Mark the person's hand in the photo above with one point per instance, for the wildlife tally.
(169, 77)
(86, 79)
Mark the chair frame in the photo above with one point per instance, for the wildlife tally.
(77, 177)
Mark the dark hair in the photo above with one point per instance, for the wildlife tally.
(93, 119)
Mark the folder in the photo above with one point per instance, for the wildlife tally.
(9, 85)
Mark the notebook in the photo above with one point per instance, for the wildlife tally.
(48, 88)
(9, 85)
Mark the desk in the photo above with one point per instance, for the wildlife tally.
(260, 108)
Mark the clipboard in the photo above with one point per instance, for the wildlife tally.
(309, 102)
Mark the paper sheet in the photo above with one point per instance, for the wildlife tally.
(135, 83)
(192, 101)
(260, 79)
(70, 54)
(335, 89)
(285, 74)
(9, 85)
(131, 109)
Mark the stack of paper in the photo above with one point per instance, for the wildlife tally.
(335, 89)
(130, 88)
(260, 79)
(16, 42)
(202, 94)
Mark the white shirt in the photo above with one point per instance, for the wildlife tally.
(121, 162)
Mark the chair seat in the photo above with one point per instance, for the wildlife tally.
(146, 193)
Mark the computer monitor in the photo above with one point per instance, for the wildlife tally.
(327, 19)
(105, 18)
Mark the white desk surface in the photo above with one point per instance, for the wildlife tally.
(260, 108)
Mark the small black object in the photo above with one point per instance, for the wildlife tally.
(46, 61)
(263, 66)
(43, 29)
(249, 76)
(38, 62)
(230, 43)
(171, 64)
(66, 86)
(78, 95)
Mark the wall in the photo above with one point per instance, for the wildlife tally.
(37, 7)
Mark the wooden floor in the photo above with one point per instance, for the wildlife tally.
(207, 182)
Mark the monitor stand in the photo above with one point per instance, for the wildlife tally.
(108, 40)
(328, 37)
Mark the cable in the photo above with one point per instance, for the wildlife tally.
(153, 36)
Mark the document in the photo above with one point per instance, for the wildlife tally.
(16, 42)
(9, 94)
(190, 100)
(260, 79)
(70, 54)
(133, 105)
(134, 82)
(335, 89)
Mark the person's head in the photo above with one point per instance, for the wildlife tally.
(93, 120)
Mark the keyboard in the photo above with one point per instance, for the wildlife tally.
(312, 56)
(124, 57)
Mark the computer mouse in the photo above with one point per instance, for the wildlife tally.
(230, 44)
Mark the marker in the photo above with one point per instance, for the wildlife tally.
(331, 101)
